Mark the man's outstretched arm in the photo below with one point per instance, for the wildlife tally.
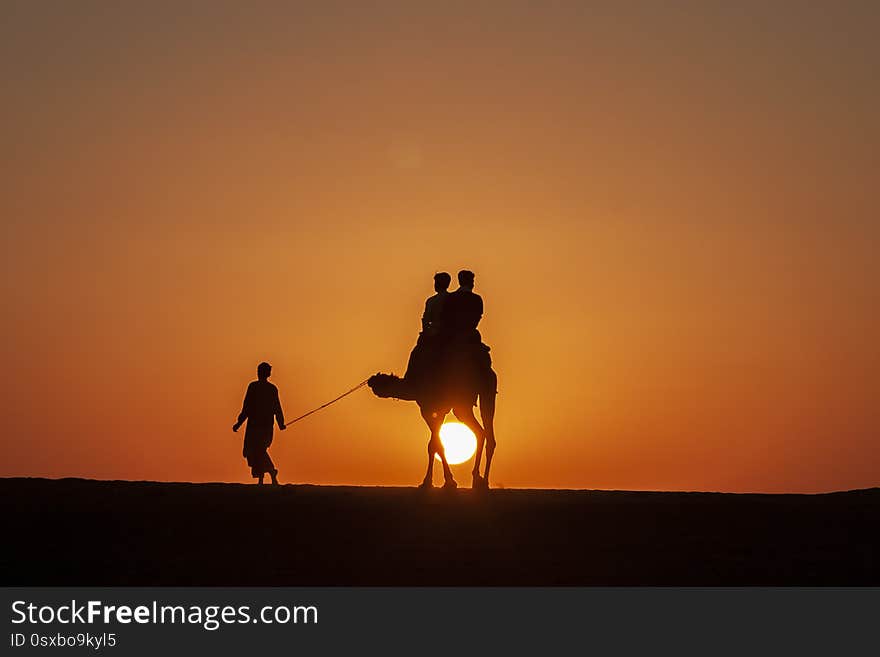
(279, 414)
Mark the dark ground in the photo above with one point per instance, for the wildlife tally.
(82, 532)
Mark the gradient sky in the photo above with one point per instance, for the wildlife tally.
(672, 213)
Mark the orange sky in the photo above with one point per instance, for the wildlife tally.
(672, 214)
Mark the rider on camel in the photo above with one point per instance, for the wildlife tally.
(422, 358)
(462, 343)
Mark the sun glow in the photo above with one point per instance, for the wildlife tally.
(459, 442)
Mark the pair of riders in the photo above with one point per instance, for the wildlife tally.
(449, 350)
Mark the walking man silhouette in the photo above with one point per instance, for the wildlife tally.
(261, 408)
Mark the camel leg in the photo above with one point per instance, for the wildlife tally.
(428, 481)
(487, 413)
(466, 415)
(478, 458)
(434, 420)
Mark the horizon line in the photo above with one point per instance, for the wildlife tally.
(404, 487)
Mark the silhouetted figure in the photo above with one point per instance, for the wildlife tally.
(261, 408)
(463, 310)
(432, 317)
(423, 357)
(467, 358)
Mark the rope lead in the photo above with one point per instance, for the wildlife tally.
(332, 401)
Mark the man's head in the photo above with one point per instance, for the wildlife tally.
(466, 279)
(263, 371)
(442, 281)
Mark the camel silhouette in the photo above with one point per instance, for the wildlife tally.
(438, 396)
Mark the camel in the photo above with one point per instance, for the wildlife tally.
(435, 401)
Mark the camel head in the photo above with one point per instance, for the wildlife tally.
(390, 385)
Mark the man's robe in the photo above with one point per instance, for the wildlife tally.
(261, 407)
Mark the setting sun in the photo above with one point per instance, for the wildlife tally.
(459, 442)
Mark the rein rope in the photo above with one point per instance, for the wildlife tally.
(332, 401)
